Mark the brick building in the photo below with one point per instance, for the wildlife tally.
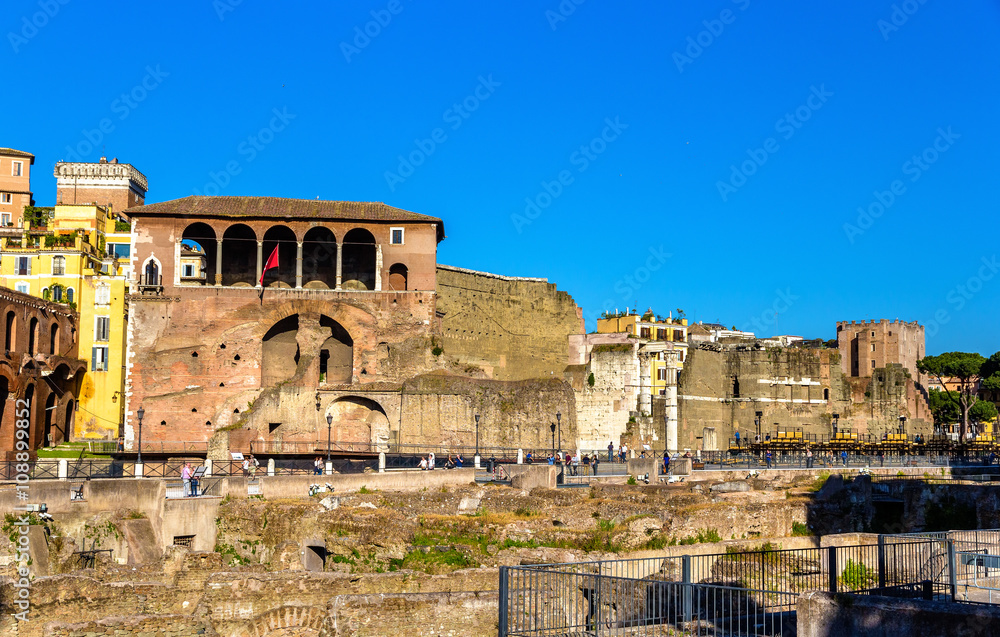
(15, 185)
(105, 183)
(869, 345)
(39, 370)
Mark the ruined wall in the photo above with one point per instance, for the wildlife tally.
(513, 328)
(603, 410)
(793, 387)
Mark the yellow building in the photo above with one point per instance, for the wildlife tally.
(77, 254)
(664, 365)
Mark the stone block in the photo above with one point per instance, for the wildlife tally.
(532, 476)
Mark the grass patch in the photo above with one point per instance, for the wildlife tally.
(433, 561)
(800, 530)
(364, 490)
(820, 481)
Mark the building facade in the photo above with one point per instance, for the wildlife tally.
(15, 186)
(869, 345)
(40, 374)
(104, 183)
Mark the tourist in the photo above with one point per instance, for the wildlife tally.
(611, 450)
(186, 477)
(881, 458)
(450, 464)
(666, 463)
(737, 438)
(767, 458)
(586, 464)
(121, 444)
(430, 461)
(843, 457)
(459, 461)
(576, 463)
(767, 437)
(527, 458)
(246, 466)
(552, 459)
(809, 458)
(423, 463)
(596, 461)
(624, 451)
(317, 466)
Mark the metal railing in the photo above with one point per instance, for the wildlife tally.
(740, 592)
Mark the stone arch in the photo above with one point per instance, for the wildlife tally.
(51, 436)
(10, 331)
(198, 247)
(336, 354)
(358, 419)
(54, 339)
(32, 335)
(291, 621)
(397, 277)
(280, 351)
(319, 259)
(239, 256)
(359, 256)
(68, 419)
(282, 238)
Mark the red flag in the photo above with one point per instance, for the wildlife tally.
(272, 262)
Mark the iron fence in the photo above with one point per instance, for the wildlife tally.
(739, 592)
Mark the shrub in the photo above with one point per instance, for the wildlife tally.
(800, 530)
(857, 576)
(631, 480)
(590, 379)
(438, 350)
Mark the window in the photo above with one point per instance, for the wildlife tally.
(57, 293)
(69, 295)
(23, 266)
(16, 169)
(102, 326)
(120, 250)
(873, 334)
(5, 197)
(873, 364)
(873, 347)
(99, 359)
(661, 373)
(102, 295)
(644, 332)
(5, 219)
(58, 265)
(23, 287)
(188, 270)
(396, 236)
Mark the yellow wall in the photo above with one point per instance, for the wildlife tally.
(100, 399)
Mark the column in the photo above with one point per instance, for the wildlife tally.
(298, 265)
(218, 262)
(260, 259)
(378, 268)
(340, 263)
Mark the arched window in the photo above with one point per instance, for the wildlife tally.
(358, 260)
(57, 293)
(319, 259)
(152, 273)
(283, 239)
(46, 294)
(10, 336)
(54, 339)
(198, 248)
(32, 336)
(69, 295)
(58, 265)
(397, 277)
(239, 256)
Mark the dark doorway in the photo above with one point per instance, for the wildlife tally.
(358, 270)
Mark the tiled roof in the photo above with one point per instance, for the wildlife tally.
(15, 153)
(277, 207)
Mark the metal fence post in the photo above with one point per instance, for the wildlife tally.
(503, 601)
(687, 590)
(881, 561)
(952, 575)
(832, 566)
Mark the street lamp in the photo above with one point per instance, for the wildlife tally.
(902, 424)
(553, 428)
(140, 414)
(329, 423)
(559, 420)
(477, 442)
(835, 418)
(756, 421)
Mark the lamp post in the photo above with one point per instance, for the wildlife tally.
(756, 421)
(559, 420)
(329, 424)
(553, 428)
(836, 417)
(140, 414)
(902, 424)
(476, 459)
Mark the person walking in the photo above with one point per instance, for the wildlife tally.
(596, 461)
(809, 458)
(576, 463)
(317, 466)
(666, 463)
(737, 438)
(843, 457)
(611, 451)
(767, 458)
(186, 477)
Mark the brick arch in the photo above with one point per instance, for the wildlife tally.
(304, 621)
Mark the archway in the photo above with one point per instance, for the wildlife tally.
(291, 621)
(239, 256)
(358, 269)
(336, 354)
(280, 351)
(50, 438)
(397, 277)
(54, 339)
(10, 335)
(32, 335)
(282, 238)
(357, 419)
(198, 255)
(68, 422)
(319, 259)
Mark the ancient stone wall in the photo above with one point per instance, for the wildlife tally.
(512, 328)
(604, 408)
(720, 391)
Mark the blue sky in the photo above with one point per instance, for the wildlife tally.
(711, 157)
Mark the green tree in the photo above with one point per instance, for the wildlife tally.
(944, 407)
(963, 367)
(982, 411)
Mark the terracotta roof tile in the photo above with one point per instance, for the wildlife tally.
(16, 153)
(277, 207)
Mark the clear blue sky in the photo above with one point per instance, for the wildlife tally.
(651, 215)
